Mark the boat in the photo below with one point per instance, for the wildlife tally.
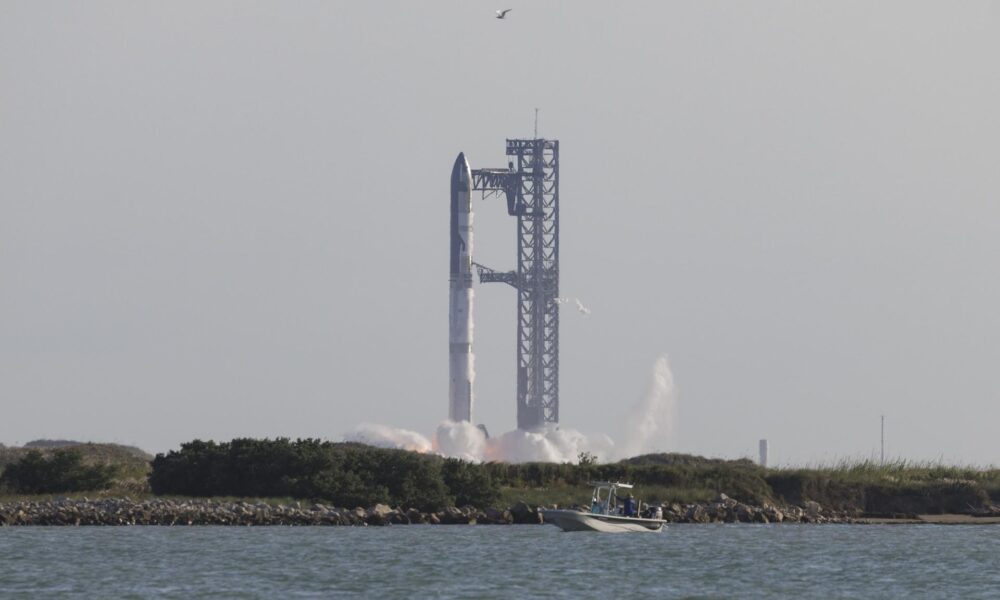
(608, 512)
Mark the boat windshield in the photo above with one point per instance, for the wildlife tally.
(604, 500)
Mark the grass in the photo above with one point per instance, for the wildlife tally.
(897, 486)
(898, 470)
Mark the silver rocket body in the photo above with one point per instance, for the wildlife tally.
(461, 365)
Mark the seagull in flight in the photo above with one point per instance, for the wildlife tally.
(503, 13)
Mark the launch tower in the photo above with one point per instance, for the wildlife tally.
(530, 184)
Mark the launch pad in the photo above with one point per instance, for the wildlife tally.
(530, 185)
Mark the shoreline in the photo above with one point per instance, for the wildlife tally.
(943, 519)
(201, 512)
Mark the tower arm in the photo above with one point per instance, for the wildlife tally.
(488, 275)
(496, 181)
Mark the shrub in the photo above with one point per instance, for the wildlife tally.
(63, 471)
(344, 474)
(471, 484)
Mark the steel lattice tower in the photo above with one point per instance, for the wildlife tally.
(531, 186)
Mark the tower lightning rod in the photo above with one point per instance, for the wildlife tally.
(536, 123)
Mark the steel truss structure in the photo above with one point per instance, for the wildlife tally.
(530, 185)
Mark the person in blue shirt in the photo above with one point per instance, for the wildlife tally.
(628, 507)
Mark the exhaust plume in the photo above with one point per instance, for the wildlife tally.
(650, 423)
(649, 428)
(384, 436)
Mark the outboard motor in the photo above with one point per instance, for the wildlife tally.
(653, 512)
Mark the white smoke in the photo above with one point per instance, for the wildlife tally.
(460, 440)
(549, 444)
(649, 428)
(466, 441)
(384, 436)
(650, 422)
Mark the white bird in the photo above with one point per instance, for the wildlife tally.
(579, 305)
(503, 13)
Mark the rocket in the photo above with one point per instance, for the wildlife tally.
(461, 363)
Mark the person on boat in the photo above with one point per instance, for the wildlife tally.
(628, 507)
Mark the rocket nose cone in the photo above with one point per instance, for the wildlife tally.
(459, 172)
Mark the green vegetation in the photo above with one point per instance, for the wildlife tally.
(62, 471)
(131, 462)
(663, 478)
(347, 474)
(356, 475)
(868, 487)
(889, 488)
(342, 474)
(127, 466)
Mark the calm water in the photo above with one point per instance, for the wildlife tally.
(709, 561)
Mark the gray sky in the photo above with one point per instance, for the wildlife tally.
(221, 219)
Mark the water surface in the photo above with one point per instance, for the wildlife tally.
(702, 561)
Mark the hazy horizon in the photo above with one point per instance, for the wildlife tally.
(231, 219)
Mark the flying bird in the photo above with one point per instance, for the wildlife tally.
(503, 13)
(579, 305)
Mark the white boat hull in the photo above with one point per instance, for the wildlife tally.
(572, 520)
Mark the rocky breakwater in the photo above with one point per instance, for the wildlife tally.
(161, 511)
(124, 511)
(728, 510)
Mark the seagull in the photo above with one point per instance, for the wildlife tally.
(580, 307)
(503, 13)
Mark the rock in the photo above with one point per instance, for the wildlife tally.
(525, 515)
(399, 518)
(773, 514)
(744, 513)
(455, 516)
(380, 514)
(812, 508)
(415, 516)
(696, 513)
(725, 500)
(499, 517)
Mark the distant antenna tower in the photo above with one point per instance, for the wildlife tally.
(883, 439)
